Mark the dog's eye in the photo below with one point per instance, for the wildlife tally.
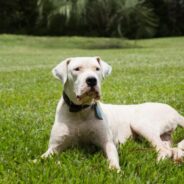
(77, 69)
(97, 68)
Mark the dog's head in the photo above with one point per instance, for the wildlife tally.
(81, 77)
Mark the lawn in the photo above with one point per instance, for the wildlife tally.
(143, 70)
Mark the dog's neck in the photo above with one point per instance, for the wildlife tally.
(72, 106)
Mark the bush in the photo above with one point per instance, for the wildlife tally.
(109, 18)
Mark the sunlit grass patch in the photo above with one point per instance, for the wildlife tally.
(151, 71)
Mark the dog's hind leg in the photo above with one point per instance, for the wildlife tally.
(153, 136)
(167, 139)
(177, 153)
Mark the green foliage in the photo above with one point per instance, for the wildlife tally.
(170, 14)
(111, 18)
(125, 18)
(152, 71)
(134, 19)
(18, 16)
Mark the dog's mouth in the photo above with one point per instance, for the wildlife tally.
(89, 94)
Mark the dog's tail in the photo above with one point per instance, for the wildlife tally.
(181, 121)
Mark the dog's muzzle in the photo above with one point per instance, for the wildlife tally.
(91, 90)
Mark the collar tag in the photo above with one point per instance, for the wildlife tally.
(98, 111)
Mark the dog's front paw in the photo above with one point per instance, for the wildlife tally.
(114, 166)
(48, 153)
(163, 154)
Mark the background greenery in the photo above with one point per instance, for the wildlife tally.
(109, 18)
(146, 70)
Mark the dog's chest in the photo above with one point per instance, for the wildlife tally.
(87, 131)
(83, 131)
(84, 126)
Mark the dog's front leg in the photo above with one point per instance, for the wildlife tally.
(59, 139)
(112, 155)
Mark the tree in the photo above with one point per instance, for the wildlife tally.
(18, 16)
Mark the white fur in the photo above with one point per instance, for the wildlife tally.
(154, 121)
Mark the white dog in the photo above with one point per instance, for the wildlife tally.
(80, 117)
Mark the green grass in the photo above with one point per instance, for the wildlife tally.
(145, 70)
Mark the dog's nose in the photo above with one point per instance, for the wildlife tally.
(91, 81)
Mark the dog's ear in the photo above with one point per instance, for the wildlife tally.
(106, 68)
(61, 71)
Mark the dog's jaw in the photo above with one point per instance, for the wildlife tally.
(83, 97)
(89, 95)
